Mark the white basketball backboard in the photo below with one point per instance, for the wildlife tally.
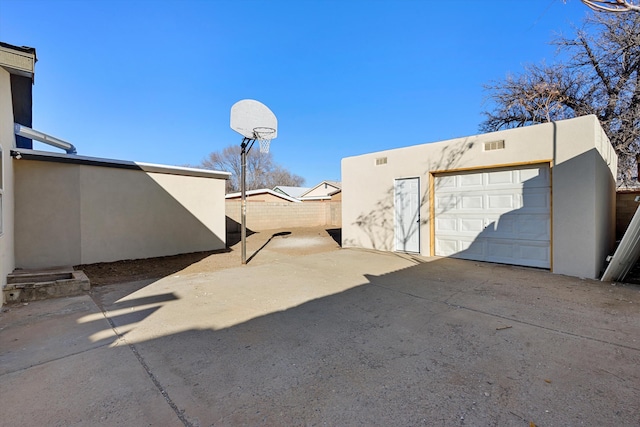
(249, 114)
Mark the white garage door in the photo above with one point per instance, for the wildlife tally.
(496, 215)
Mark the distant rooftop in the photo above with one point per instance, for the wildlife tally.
(291, 191)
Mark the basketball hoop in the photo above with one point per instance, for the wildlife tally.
(255, 122)
(264, 135)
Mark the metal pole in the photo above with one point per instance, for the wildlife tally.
(243, 208)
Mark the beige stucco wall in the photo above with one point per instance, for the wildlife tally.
(583, 187)
(48, 212)
(7, 142)
(70, 214)
(583, 192)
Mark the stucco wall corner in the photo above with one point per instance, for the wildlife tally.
(7, 142)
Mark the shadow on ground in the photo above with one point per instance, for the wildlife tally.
(336, 235)
(445, 342)
(344, 337)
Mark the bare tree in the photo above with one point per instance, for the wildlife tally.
(262, 171)
(601, 77)
(612, 5)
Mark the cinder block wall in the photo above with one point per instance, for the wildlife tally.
(272, 215)
(625, 208)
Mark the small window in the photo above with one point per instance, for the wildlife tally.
(494, 145)
(381, 161)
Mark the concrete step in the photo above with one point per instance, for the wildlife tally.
(34, 285)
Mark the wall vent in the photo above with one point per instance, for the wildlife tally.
(494, 145)
(381, 161)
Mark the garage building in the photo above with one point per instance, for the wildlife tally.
(539, 196)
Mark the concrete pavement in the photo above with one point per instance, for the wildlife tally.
(345, 337)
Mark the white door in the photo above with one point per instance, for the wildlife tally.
(407, 215)
(497, 215)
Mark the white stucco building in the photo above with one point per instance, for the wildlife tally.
(60, 209)
(541, 196)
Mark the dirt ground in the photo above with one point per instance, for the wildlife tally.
(291, 241)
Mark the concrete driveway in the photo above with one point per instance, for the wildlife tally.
(338, 338)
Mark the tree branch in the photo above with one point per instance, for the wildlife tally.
(612, 5)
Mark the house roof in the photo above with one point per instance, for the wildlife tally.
(46, 156)
(328, 196)
(291, 191)
(262, 191)
(335, 184)
(18, 60)
(25, 49)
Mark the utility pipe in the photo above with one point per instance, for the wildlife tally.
(27, 132)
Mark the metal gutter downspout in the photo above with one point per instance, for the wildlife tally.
(27, 132)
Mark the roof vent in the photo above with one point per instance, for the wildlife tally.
(494, 145)
(381, 161)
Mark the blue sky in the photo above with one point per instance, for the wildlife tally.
(153, 81)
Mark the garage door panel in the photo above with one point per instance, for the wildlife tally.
(445, 182)
(445, 202)
(534, 227)
(472, 247)
(540, 255)
(535, 177)
(475, 225)
(472, 179)
(537, 198)
(494, 250)
(500, 215)
(471, 202)
(501, 177)
(498, 201)
(446, 247)
(500, 249)
(446, 224)
(512, 252)
(503, 201)
(505, 227)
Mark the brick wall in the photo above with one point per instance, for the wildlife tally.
(272, 215)
(625, 208)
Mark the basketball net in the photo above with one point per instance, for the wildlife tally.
(264, 137)
(264, 145)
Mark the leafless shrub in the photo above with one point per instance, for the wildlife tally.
(601, 77)
(262, 171)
